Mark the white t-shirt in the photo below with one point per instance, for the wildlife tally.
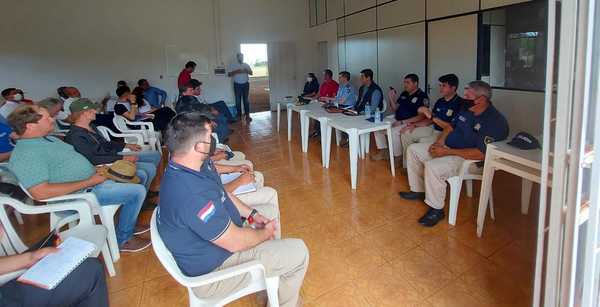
(8, 107)
(240, 78)
(110, 104)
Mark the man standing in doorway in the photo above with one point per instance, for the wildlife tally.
(240, 73)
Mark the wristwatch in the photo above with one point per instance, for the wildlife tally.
(253, 213)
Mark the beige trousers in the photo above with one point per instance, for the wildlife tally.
(428, 174)
(416, 136)
(286, 258)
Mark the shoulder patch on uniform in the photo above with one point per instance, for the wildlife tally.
(462, 118)
(206, 212)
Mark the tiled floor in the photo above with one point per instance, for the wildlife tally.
(366, 247)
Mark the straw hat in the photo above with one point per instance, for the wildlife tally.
(121, 171)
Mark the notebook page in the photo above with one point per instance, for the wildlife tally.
(52, 269)
(247, 188)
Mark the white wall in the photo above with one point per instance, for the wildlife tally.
(92, 44)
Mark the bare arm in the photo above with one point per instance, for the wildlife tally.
(236, 239)
(467, 153)
(443, 124)
(4, 156)
(18, 262)
(47, 190)
(242, 208)
(414, 119)
(423, 123)
(392, 97)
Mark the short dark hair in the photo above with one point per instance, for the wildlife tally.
(141, 82)
(367, 73)
(61, 91)
(193, 83)
(23, 115)
(121, 90)
(345, 74)
(190, 64)
(184, 130)
(413, 77)
(328, 72)
(121, 83)
(7, 91)
(450, 79)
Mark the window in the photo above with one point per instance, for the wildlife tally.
(512, 46)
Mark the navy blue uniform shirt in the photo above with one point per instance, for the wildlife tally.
(472, 131)
(408, 104)
(446, 110)
(195, 211)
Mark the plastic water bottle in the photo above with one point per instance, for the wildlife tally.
(368, 111)
(377, 115)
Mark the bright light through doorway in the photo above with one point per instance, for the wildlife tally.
(256, 56)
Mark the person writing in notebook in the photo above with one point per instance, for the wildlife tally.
(84, 287)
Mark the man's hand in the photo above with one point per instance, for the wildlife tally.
(260, 219)
(218, 155)
(437, 151)
(132, 159)
(35, 256)
(425, 111)
(397, 123)
(270, 228)
(244, 169)
(408, 128)
(133, 147)
(97, 178)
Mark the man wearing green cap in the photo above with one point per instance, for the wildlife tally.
(86, 139)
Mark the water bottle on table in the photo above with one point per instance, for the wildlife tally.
(377, 115)
(368, 111)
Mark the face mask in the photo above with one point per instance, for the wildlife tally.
(469, 102)
(17, 97)
(309, 79)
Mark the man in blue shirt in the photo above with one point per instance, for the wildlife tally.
(346, 95)
(405, 109)
(430, 164)
(155, 96)
(369, 93)
(203, 226)
(442, 114)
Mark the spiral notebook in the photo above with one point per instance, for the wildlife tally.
(52, 269)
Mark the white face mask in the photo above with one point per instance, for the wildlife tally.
(309, 79)
(17, 97)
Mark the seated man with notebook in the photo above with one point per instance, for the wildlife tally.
(204, 227)
(48, 167)
(85, 286)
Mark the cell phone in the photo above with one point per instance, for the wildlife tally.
(392, 88)
(51, 240)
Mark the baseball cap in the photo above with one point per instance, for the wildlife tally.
(524, 140)
(82, 104)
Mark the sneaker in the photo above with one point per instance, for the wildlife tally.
(410, 195)
(432, 217)
(140, 229)
(383, 154)
(135, 244)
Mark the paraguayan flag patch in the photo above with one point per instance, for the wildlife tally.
(207, 212)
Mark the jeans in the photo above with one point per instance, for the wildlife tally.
(241, 91)
(146, 171)
(222, 129)
(223, 109)
(84, 287)
(149, 156)
(130, 196)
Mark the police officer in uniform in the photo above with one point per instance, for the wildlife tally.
(406, 113)
(435, 119)
(430, 164)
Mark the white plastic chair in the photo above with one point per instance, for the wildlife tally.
(11, 243)
(7, 177)
(146, 130)
(256, 270)
(130, 138)
(456, 185)
(106, 214)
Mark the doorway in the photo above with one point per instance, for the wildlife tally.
(256, 56)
